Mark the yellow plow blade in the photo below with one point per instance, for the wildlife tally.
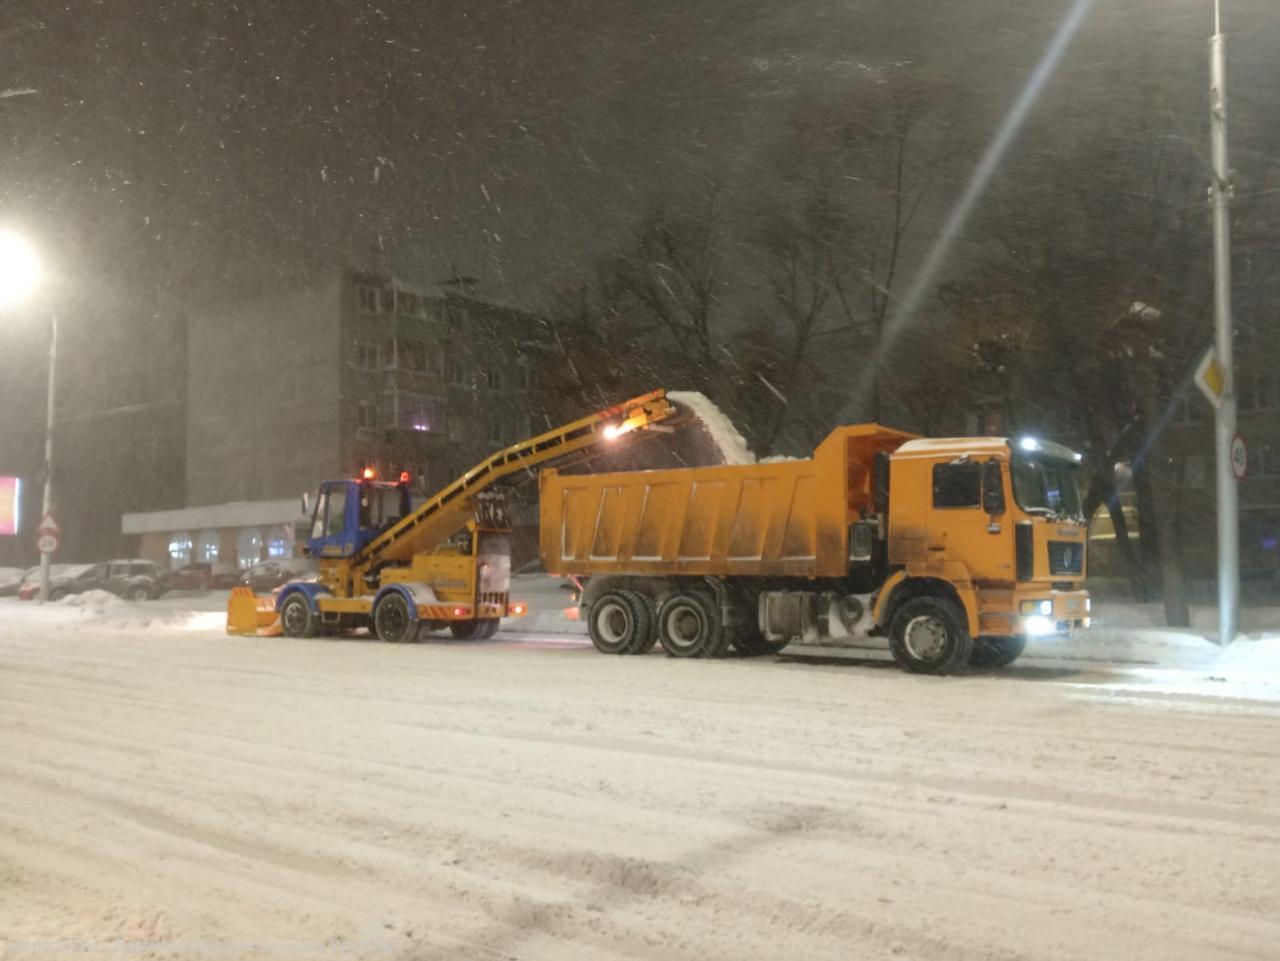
(247, 613)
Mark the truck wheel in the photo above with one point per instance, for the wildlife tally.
(749, 642)
(612, 623)
(646, 615)
(689, 626)
(295, 616)
(929, 636)
(997, 651)
(488, 628)
(391, 619)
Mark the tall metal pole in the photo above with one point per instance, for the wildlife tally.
(1225, 425)
(48, 448)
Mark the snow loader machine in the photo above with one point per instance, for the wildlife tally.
(399, 571)
(955, 549)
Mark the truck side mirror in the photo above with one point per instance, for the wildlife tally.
(992, 488)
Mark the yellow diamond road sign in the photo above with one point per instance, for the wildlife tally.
(1211, 378)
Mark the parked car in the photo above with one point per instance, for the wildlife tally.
(269, 575)
(202, 576)
(11, 579)
(138, 580)
(58, 574)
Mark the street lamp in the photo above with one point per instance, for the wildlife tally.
(1225, 421)
(20, 275)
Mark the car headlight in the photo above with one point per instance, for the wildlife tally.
(1043, 608)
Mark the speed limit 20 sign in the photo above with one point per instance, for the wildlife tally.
(1239, 457)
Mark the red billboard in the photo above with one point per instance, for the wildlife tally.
(10, 504)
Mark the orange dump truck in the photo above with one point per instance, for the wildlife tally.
(956, 549)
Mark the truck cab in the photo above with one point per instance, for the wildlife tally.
(998, 524)
(348, 514)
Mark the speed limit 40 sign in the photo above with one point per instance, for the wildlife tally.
(1239, 457)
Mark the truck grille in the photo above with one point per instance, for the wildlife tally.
(1066, 557)
(1024, 552)
(492, 597)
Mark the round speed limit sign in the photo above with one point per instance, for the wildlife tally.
(47, 542)
(1239, 457)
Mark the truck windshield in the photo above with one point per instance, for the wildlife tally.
(1046, 485)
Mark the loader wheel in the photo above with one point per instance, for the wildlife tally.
(689, 626)
(613, 622)
(489, 627)
(295, 616)
(473, 630)
(997, 651)
(646, 629)
(392, 621)
(929, 636)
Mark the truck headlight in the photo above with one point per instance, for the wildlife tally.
(1088, 605)
(1038, 626)
(1043, 608)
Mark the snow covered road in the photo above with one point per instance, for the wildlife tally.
(175, 793)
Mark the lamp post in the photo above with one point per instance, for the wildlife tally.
(20, 274)
(1225, 422)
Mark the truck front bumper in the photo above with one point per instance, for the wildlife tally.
(1044, 614)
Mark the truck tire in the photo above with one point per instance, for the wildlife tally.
(646, 614)
(614, 622)
(929, 636)
(997, 651)
(489, 628)
(296, 619)
(392, 620)
(689, 626)
(473, 630)
(749, 642)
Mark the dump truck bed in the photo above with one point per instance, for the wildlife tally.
(779, 518)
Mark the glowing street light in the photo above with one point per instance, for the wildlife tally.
(20, 277)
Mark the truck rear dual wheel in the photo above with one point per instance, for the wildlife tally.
(689, 625)
(621, 622)
(997, 651)
(929, 635)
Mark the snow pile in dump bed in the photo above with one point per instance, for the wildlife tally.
(732, 445)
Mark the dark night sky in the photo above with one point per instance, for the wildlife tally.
(217, 145)
(180, 152)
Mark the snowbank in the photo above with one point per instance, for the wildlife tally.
(732, 445)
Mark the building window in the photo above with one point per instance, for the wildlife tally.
(523, 378)
(248, 547)
(179, 549)
(420, 412)
(388, 300)
(1186, 410)
(206, 547)
(414, 357)
(1256, 391)
(491, 378)
(957, 485)
(1263, 461)
(1195, 473)
(280, 541)
(457, 372)
(367, 299)
(495, 432)
(368, 356)
(364, 414)
(409, 304)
